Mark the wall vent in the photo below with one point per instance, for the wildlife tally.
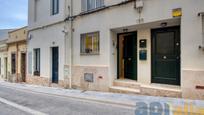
(88, 77)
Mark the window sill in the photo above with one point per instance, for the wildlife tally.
(93, 10)
(89, 54)
(36, 73)
(54, 14)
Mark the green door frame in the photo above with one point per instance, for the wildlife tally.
(118, 59)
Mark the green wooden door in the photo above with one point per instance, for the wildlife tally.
(130, 57)
(166, 56)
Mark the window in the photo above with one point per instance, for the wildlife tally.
(90, 43)
(55, 6)
(13, 63)
(88, 5)
(0, 65)
(37, 61)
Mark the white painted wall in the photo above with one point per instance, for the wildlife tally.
(45, 32)
(43, 13)
(126, 15)
(45, 39)
(110, 22)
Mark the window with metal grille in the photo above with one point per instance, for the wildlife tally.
(90, 43)
(88, 5)
(37, 61)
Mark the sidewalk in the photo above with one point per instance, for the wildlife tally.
(179, 105)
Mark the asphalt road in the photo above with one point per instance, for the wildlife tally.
(22, 102)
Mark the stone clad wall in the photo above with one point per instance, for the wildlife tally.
(100, 78)
(190, 80)
(44, 81)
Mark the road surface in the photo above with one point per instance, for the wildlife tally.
(14, 101)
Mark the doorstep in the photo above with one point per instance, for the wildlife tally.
(125, 86)
(126, 90)
(133, 87)
(161, 90)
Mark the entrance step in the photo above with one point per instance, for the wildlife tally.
(117, 89)
(54, 85)
(161, 90)
(127, 84)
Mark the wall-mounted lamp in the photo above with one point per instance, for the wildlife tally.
(53, 43)
(163, 24)
(30, 36)
(125, 30)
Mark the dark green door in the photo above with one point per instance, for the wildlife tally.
(130, 56)
(166, 56)
(55, 65)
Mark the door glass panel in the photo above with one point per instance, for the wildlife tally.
(165, 43)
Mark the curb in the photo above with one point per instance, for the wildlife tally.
(91, 99)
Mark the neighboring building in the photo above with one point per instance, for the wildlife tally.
(46, 44)
(150, 47)
(17, 46)
(3, 53)
(3, 59)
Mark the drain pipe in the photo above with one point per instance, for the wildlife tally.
(71, 45)
(201, 14)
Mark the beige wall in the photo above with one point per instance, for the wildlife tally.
(3, 55)
(144, 67)
(17, 35)
(12, 48)
(16, 44)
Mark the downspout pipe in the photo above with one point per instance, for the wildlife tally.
(71, 45)
(201, 14)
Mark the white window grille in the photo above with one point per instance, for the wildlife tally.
(90, 43)
(88, 5)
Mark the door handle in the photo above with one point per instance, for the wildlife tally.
(164, 57)
(129, 59)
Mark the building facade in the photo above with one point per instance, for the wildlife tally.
(17, 48)
(149, 47)
(3, 53)
(46, 42)
(3, 59)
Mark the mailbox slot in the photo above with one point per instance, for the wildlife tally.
(143, 43)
